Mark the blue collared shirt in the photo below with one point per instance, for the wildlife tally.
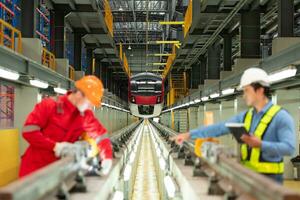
(279, 139)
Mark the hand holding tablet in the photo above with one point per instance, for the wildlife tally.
(237, 130)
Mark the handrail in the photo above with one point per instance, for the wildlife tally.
(121, 51)
(170, 61)
(9, 35)
(188, 18)
(108, 18)
(71, 73)
(125, 65)
(48, 59)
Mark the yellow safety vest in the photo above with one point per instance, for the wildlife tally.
(251, 157)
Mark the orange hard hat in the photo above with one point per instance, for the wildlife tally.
(92, 88)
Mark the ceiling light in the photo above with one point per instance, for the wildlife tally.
(129, 48)
(214, 95)
(282, 74)
(204, 98)
(8, 74)
(197, 100)
(60, 90)
(120, 9)
(228, 91)
(39, 84)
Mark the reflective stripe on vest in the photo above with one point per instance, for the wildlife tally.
(251, 156)
(30, 128)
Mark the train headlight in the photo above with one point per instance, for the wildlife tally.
(158, 100)
(132, 99)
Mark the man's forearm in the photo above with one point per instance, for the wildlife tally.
(214, 130)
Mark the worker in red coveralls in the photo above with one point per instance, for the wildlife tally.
(55, 125)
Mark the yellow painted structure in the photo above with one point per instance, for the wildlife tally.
(9, 155)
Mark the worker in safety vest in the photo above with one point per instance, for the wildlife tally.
(271, 128)
(55, 125)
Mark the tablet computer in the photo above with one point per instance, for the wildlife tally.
(237, 130)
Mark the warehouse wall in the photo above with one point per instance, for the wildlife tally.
(25, 100)
(290, 100)
(113, 119)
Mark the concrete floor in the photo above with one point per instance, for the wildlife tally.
(145, 186)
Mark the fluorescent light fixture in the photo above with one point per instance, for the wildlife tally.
(170, 186)
(39, 84)
(204, 98)
(282, 74)
(162, 163)
(191, 102)
(118, 195)
(214, 95)
(9, 74)
(127, 172)
(60, 90)
(120, 9)
(228, 91)
(197, 100)
(129, 48)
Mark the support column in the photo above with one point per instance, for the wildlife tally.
(285, 18)
(195, 74)
(98, 68)
(250, 34)
(104, 74)
(28, 20)
(58, 25)
(213, 61)
(227, 52)
(77, 50)
(203, 67)
(109, 80)
(89, 61)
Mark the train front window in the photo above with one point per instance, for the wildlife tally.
(146, 87)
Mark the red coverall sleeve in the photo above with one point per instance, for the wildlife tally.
(98, 132)
(35, 122)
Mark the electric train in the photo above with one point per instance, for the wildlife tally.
(146, 95)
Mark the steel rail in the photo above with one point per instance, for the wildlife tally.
(59, 176)
(250, 183)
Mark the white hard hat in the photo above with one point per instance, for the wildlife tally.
(254, 75)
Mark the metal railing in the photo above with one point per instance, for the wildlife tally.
(108, 18)
(170, 61)
(126, 66)
(48, 59)
(188, 18)
(71, 73)
(10, 36)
